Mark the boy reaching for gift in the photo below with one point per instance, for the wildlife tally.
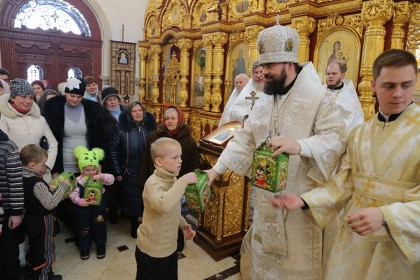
(39, 213)
(89, 220)
(156, 254)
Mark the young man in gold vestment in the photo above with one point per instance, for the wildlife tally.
(377, 184)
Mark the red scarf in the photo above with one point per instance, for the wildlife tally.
(20, 110)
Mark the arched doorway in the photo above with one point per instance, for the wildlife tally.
(53, 50)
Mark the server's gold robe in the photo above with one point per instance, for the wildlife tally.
(380, 169)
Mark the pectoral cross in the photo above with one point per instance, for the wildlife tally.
(253, 98)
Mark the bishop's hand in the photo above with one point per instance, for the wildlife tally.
(212, 174)
(288, 201)
(284, 144)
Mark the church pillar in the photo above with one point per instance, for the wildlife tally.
(208, 43)
(219, 39)
(374, 15)
(184, 45)
(142, 70)
(401, 17)
(251, 34)
(413, 36)
(154, 51)
(305, 26)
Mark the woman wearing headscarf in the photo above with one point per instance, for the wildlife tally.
(38, 87)
(91, 91)
(173, 126)
(126, 148)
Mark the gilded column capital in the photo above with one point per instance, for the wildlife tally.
(155, 49)
(377, 11)
(219, 38)
(142, 52)
(207, 40)
(304, 25)
(184, 44)
(251, 33)
(402, 12)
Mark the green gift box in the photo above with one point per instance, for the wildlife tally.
(93, 192)
(62, 178)
(269, 173)
(198, 195)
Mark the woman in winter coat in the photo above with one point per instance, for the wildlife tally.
(21, 120)
(173, 126)
(126, 148)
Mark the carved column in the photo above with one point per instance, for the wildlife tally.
(154, 51)
(401, 17)
(413, 36)
(208, 43)
(374, 15)
(305, 26)
(184, 45)
(219, 39)
(142, 70)
(251, 34)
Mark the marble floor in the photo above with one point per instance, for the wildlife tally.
(194, 263)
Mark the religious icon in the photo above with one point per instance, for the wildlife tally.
(123, 58)
(337, 55)
(223, 134)
(288, 45)
(242, 6)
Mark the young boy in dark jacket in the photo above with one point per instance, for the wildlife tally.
(40, 203)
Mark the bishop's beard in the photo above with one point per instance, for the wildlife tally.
(276, 86)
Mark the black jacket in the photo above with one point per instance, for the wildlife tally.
(99, 122)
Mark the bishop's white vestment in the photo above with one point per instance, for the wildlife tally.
(284, 245)
(228, 108)
(240, 106)
(348, 104)
(381, 168)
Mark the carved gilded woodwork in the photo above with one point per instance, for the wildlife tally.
(184, 45)
(123, 65)
(251, 34)
(155, 51)
(275, 6)
(208, 43)
(354, 22)
(413, 36)
(171, 80)
(174, 15)
(401, 16)
(203, 13)
(374, 15)
(142, 72)
(305, 26)
(218, 39)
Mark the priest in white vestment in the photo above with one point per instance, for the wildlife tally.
(300, 120)
(241, 81)
(378, 183)
(344, 95)
(244, 103)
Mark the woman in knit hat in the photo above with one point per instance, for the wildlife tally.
(76, 121)
(22, 121)
(112, 101)
(38, 87)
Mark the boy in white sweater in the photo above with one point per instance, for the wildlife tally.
(156, 254)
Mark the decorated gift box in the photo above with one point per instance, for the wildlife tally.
(198, 195)
(62, 178)
(269, 173)
(93, 192)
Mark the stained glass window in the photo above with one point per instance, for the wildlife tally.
(52, 14)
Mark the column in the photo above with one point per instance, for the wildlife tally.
(251, 35)
(219, 39)
(184, 45)
(142, 75)
(374, 15)
(304, 25)
(208, 71)
(155, 51)
(401, 17)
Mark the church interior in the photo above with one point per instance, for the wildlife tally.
(188, 53)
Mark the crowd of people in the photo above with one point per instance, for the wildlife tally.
(350, 209)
